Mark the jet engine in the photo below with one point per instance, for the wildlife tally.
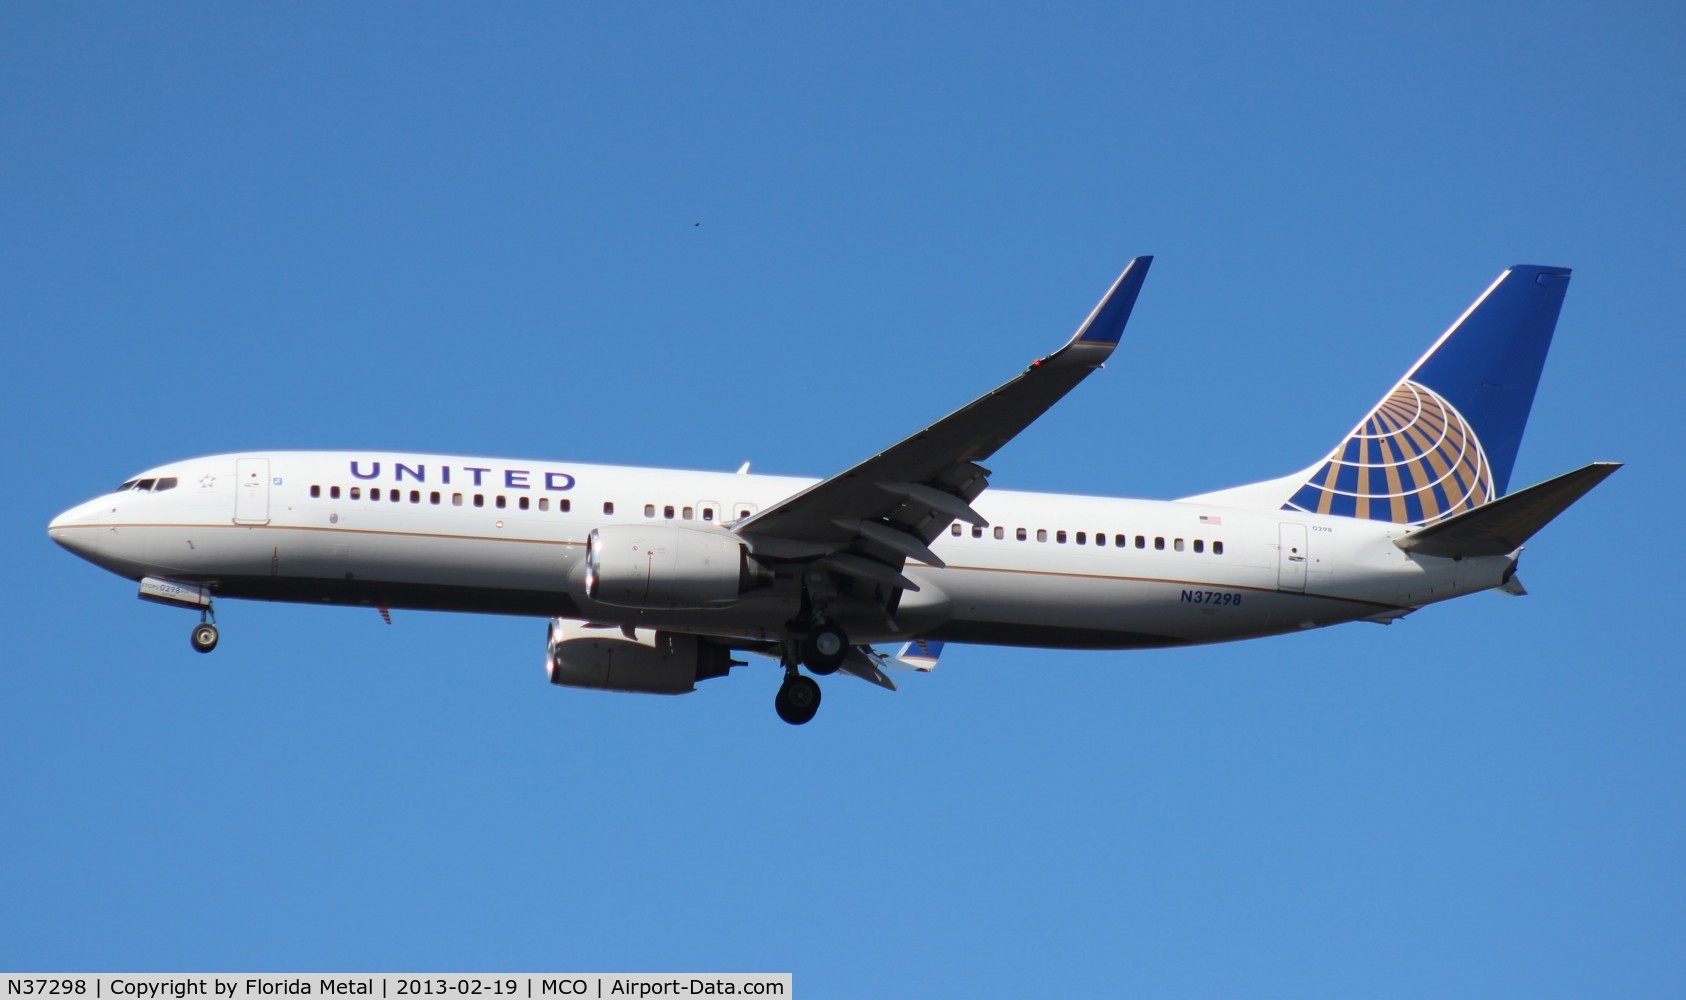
(583, 656)
(668, 567)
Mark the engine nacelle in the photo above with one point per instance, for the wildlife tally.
(652, 663)
(667, 567)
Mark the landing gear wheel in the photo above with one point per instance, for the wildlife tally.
(824, 650)
(798, 699)
(204, 637)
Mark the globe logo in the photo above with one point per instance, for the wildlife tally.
(1414, 460)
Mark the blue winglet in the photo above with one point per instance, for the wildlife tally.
(1106, 324)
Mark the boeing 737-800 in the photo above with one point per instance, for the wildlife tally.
(653, 578)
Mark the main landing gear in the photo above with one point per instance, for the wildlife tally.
(822, 651)
(798, 699)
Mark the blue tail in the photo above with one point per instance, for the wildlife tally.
(1445, 439)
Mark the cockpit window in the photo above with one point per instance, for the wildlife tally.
(145, 485)
(126, 486)
(167, 483)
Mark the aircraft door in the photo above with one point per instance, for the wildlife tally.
(1292, 557)
(251, 491)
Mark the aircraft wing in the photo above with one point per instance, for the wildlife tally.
(865, 522)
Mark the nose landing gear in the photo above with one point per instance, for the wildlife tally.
(204, 638)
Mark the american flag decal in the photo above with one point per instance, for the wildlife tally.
(1210, 519)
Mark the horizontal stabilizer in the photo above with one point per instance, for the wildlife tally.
(862, 662)
(1501, 526)
(921, 654)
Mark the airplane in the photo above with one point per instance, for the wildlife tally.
(654, 578)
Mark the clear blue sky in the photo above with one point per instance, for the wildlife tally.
(474, 229)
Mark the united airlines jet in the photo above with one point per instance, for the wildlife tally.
(653, 578)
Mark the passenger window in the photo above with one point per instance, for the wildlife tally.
(1041, 534)
(564, 505)
(415, 496)
(544, 503)
(396, 496)
(744, 512)
(456, 499)
(977, 532)
(357, 493)
(333, 493)
(1217, 548)
(688, 514)
(609, 508)
(1100, 538)
(649, 510)
(708, 513)
(1199, 546)
(667, 512)
(1020, 534)
(1178, 545)
(954, 529)
(1059, 536)
(1082, 538)
(316, 493)
(479, 499)
(433, 498)
(1121, 541)
(500, 502)
(1159, 544)
(1141, 541)
(522, 503)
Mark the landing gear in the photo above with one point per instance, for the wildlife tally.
(204, 637)
(825, 648)
(822, 648)
(798, 699)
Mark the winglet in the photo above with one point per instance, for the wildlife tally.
(1106, 324)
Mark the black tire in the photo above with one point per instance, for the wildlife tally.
(204, 637)
(798, 700)
(825, 649)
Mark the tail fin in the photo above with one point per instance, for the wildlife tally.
(1444, 440)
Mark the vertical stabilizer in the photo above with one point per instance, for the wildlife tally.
(1444, 440)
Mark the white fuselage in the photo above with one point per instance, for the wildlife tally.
(506, 536)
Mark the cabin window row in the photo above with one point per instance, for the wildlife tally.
(1159, 543)
(686, 512)
(436, 499)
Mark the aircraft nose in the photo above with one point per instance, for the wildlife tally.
(75, 532)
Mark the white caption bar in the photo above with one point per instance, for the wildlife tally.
(392, 986)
